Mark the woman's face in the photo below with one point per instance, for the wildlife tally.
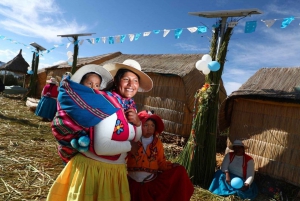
(238, 150)
(92, 81)
(129, 85)
(148, 128)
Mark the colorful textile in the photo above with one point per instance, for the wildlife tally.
(172, 184)
(219, 186)
(92, 105)
(96, 181)
(64, 130)
(50, 90)
(46, 108)
(153, 161)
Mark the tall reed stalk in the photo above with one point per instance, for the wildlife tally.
(199, 154)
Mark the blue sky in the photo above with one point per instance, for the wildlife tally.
(41, 21)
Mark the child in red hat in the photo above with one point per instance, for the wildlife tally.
(151, 177)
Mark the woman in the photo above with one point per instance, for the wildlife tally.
(100, 173)
(235, 164)
(151, 176)
(46, 107)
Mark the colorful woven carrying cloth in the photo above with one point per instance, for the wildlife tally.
(86, 106)
(79, 109)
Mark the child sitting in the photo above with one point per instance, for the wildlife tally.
(151, 176)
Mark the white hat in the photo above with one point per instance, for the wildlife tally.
(146, 82)
(107, 79)
(52, 80)
(238, 143)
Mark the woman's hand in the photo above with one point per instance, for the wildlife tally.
(132, 117)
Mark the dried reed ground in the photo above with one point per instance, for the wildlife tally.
(29, 162)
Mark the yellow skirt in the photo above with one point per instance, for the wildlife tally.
(84, 179)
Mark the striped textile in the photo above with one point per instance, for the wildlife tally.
(64, 129)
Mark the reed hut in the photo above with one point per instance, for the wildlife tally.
(17, 65)
(265, 113)
(175, 78)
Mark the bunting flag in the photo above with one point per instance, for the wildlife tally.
(111, 40)
(68, 45)
(250, 26)
(192, 29)
(97, 40)
(217, 25)
(286, 22)
(178, 32)
(146, 33)
(131, 37)
(202, 29)
(90, 40)
(117, 39)
(269, 23)
(123, 38)
(137, 36)
(166, 31)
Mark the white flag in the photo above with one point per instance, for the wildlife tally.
(131, 37)
(117, 39)
(81, 42)
(269, 23)
(68, 45)
(192, 29)
(166, 31)
(146, 33)
(103, 39)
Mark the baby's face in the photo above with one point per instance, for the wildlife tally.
(92, 81)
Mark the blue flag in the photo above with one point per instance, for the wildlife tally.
(111, 40)
(250, 26)
(202, 29)
(137, 36)
(178, 32)
(122, 38)
(286, 22)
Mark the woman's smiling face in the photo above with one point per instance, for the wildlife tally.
(129, 85)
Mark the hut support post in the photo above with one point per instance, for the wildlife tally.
(33, 77)
(74, 64)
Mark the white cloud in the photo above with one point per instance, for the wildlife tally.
(189, 47)
(33, 18)
(7, 55)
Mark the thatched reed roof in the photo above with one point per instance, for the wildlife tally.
(268, 84)
(16, 65)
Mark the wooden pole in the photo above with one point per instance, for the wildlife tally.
(76, 47)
